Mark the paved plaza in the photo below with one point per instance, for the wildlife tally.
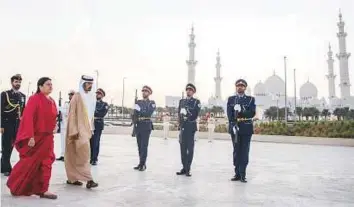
(278, 175)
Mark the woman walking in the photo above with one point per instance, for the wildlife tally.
(35, 144)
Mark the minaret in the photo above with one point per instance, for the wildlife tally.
(331, 77)
(218, 78)
(343, 60)
(191, 63)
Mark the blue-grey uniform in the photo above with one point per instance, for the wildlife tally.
(100, 113)
(12, 106)
(188, 111)
(244, 129)
(144, 109)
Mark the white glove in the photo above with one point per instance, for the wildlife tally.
(183, 111)
(235, 129)
(137, 107)
(237, 107)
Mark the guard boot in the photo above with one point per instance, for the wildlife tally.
(188, 174)
(142, 168)
(236, 178)
(181, 172)
(243, 179)
(137, 167)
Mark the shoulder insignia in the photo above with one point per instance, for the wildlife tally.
(199, 105)
(153, 105)
(106, 106)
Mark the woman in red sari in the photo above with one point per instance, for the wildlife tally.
(35, 144)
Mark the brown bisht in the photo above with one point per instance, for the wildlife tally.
(78, 135)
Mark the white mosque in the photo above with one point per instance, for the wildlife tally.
(271, 92)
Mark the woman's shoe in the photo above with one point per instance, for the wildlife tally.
(48, 196)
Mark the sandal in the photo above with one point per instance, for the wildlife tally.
(77, 183)
(48, 196)
(91, 184)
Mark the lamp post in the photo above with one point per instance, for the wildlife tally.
(295, 94)
(96, 71)
(123, 97)
(28, 89)
(286, 97)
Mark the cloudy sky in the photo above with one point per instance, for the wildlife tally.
(146, 41)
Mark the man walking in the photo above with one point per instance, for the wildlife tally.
(240, 111)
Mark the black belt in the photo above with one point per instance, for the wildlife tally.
(144, 118)
(98, 118)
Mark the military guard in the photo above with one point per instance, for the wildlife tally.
(240, 111)
(100, 113)
(188, 111)
(143, 109)
(64, 112)
(12, 105)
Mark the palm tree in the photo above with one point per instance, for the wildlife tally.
(325, 113)
(299, 111)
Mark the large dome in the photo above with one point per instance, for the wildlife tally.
(275, 85)
(308, 90)
(260, 89)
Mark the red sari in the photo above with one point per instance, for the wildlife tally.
(32, 172)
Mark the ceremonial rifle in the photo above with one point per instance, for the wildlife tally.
(134, 115)
(181, 119)
(236, 123)
(60, 115)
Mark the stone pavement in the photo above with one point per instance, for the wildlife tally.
(279, 175)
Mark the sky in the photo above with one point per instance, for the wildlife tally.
(146, 41)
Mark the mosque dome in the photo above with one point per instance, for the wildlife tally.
(275, 85)
(260, 89)
(308, 90)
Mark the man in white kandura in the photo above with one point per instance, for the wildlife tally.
(166, 125)
(211, 127)
(64, 111)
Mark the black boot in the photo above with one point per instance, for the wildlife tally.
(181, 172)
(243, 179)
(142, 168)
(236, 178)
(60, 158)
(188, 174)
(137, 167)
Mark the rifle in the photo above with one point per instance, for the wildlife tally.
(180, 120)
(60, 115)
(134, 115)
(236, 124)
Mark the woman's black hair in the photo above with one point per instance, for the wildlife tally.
(41, 82)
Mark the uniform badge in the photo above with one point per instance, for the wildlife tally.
(199, 105)
(153, 105)
(106, 106)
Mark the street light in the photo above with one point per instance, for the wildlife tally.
(28, 89)
(286, 97)
(96, 71)
(123, 97)
(295, 94)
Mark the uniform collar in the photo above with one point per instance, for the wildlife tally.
(189, 97)
(240, 95)
(14, 91)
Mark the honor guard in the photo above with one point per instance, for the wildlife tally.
(100, 113)
(143, 109)
(188, 111)
(64, 113)
(240, 111)
(12, 105)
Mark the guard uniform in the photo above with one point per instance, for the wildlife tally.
(100, 113)
(188, 127)
(12, 105)
(243, 126)
(144, 110)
